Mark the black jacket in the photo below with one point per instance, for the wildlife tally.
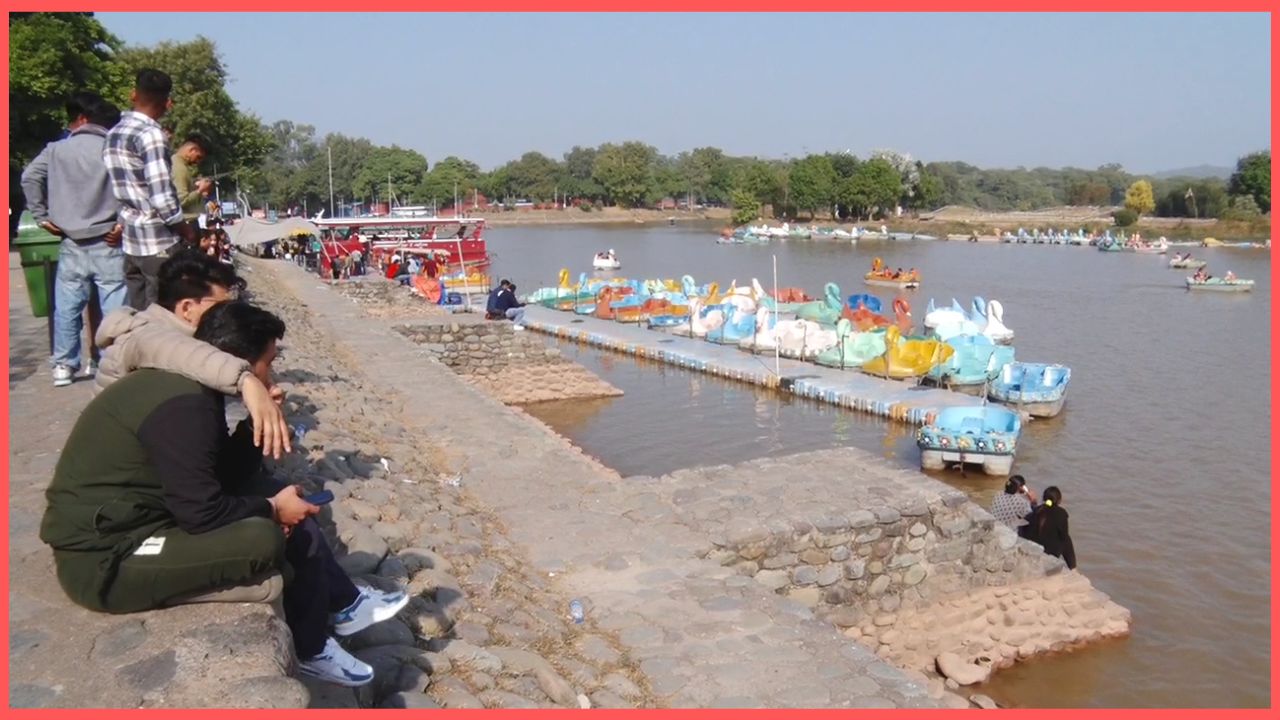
(150, 452)
(1048, 526)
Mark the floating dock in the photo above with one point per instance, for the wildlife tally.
(895, 399)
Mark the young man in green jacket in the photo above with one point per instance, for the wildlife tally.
(152, 503)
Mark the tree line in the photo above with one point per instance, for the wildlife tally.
(286, 164)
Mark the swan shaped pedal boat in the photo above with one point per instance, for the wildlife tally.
(985, 435)
(1036, 388)
(976, 362)
(907, 358)
(852, 348)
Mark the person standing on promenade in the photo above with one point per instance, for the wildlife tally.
(1014, 505)
(69, 194)
(137, 160)
(192, 192)
(1048, 526)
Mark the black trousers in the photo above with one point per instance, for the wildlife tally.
(319, 587)
(140, 279)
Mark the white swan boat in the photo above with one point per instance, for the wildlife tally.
(606, 261)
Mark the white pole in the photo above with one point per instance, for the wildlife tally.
(777, 361)
(331, 213)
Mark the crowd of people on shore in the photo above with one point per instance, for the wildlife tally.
(154, 502)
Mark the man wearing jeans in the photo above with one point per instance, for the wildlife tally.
(137, 158)
(69, 194)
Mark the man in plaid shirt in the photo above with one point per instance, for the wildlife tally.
(137, 158)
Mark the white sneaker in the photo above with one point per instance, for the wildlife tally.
(336, 665)
(62, 375)
(90, 369)
(517, 327)
(373, 606)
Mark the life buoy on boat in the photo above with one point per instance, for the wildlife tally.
(901, 306)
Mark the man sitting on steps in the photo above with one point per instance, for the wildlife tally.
(153, 504)
(159, 337)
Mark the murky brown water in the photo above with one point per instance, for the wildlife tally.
(1163, 451)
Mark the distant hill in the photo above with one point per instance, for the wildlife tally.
(1199, 171)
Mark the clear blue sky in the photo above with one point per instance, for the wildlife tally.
(1152, 92)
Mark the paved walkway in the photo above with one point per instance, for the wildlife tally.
(63, 656)
(704, 635)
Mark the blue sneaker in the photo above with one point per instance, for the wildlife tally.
(336, 665)
(372, 606)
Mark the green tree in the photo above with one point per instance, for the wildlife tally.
(877, 184)
(404, 169)
(745, 207)
(929, 192)
(51, 56)
(758, 178)
(625, 172)
(1140, 198)
(1125, 217)
(813, 183)
(579, 166)
(201, 104)
(447, 175)
(1253, 177)
(704, 174)
(535, 176)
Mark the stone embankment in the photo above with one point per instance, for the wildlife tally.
(510, 365)
(897, 560)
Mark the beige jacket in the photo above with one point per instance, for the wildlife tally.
(156, 338)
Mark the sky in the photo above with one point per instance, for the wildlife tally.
(1152, 92)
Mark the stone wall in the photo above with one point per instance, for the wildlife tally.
(513, 366)
(895, 559)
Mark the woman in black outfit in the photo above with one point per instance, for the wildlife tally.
(1048, 527)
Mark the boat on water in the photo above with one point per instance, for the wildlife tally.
(457, 244)
(737, 326)
(1035, 388)
(1220, 285)
(975, 363)
(606, 261)
(799, 339)
(1185, 261)
(985, 435)
(825, 311)
(907, 357)
(881, 276)
(853, 348)
(1159, 247)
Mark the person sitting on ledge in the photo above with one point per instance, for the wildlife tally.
(1048, 527)
(510, 306)
(152, 504)
(189, 283)
(1013, 505)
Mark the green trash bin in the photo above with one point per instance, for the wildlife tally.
(34, 247)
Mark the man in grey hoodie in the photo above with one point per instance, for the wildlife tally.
(69, 194)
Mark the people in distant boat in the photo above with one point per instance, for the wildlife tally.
(1048, 527)
(462, 232)
(1230, 276)
(912, 275)
(1200, 275)
(1014, 505)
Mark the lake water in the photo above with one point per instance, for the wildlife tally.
(1162, 453)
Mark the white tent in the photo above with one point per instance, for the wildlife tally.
(252, 231)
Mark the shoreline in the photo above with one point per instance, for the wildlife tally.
(939, 223)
